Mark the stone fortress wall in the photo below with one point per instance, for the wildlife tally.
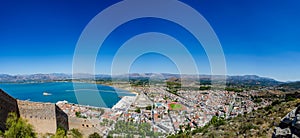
(7, 104)
(86, 126)
(61, 118)
(44, 117)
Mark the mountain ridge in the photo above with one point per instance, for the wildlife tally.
(231, 80)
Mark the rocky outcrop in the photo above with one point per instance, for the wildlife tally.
(289, 126)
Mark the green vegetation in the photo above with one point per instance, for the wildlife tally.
(175, 106)
(234, 89)
(290, 87)
(75, 133)
(190, 88)
(128, 129)
(78, 114)
(205, 82)
(94, 135)
(106, 122)
(250, 82)
(173, 86)
(202, 88)
(217, 121)
(257, 100)
(139, 82)
(290, 98)
(18, 128)
(149, 107)
(60, 133)
(138, 110)
(105, 81)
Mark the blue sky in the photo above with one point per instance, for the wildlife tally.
(258, 37)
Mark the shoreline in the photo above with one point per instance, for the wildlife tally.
(115, 88)
(63, 81)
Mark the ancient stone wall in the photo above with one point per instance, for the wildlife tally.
(61, 118)
(85, 126)
(41, 115)
(7, 104)
(44, 117)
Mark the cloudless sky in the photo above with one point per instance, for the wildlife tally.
(258, 37)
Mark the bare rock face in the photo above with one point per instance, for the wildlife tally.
(282, 132)
(297, 120)
(289, 126)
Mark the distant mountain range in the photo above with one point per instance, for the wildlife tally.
(252, 80)
(234, 80)
(33, 77)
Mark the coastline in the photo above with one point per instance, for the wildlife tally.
(126, 88)
(89, 82)
(62, 88)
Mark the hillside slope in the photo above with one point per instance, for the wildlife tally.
(260, 123)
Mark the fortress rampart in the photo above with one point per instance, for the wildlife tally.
(44, 117)
(86, 126)
(61, 118)
(7, 104)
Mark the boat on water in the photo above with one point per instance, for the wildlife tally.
(46, 94)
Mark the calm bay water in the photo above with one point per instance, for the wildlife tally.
(62, 91)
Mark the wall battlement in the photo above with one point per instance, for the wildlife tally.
(43, 111)
(44, 117)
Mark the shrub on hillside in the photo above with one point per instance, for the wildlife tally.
(18, 128)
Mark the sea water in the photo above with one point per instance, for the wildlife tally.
(60, 91)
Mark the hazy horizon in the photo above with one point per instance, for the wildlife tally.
(140, 73)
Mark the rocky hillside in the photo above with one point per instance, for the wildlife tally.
(289, 125)
(290, 87)
(260, 123)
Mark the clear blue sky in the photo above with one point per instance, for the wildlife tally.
(258, 37)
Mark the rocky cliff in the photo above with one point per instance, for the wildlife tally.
(289, 126)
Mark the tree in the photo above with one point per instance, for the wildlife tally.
(1, 133)
(138, 110)
(204, 88)
(173, 86)
(217, 121)
(78, 114)
(75, 133)
(257, 100)
(94, 135)
(60, 133)
(18, 128)
(149, 107)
